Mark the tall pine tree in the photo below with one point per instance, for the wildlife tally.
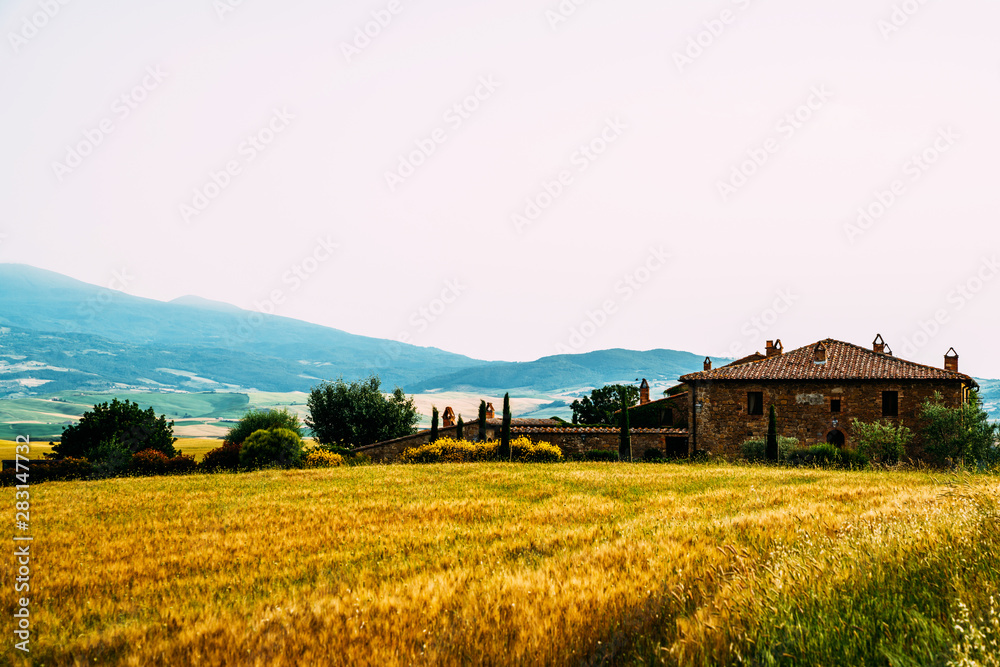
(771, 451)
(460, 429)
(505, 452)
(434, 424)
(482, 421)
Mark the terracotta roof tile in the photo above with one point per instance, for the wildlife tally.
(586, 430)
(844, 361)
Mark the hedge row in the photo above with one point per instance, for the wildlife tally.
(450, 450)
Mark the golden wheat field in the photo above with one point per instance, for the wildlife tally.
(507, 564)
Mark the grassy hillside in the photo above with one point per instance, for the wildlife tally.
(513, 564)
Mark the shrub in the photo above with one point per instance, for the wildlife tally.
(601, 455)
(112, 427)
(653, 454)
(226, 457)
(882, 442)
(255, 420)
(825, 454)
(320, 458)
(755, 449)
(148, 462)
(181, 464)
(450, 450)
(110, 458)
(962, 434)
(272, 447)
(51, 469)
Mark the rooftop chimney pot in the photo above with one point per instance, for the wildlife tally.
(448, 419)
(951, 360)
(773, 348)
(708, 363)
(643, 392)
(878, 345)
(489, 411)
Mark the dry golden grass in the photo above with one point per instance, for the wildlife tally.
(473, 563)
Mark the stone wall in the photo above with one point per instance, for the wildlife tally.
(673, 442)
(803, 409)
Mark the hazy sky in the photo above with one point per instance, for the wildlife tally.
(513, 179)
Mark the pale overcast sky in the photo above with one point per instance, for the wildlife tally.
(632, 174)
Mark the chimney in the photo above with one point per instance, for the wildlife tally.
(708, 363)
(643, 392)
(448, 419)
(773, 348)
(888, 350)
(951, 360)
(819, 353)
(878, 345)
(489, 411)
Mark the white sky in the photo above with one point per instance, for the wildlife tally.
(678, 132)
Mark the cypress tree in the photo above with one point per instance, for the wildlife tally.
(482, 421)
(505, 452)
(771, 452)
(434, 424)
(625, 437)
(459, 428)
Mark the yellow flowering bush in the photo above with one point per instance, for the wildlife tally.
(450, 450)
(320, 458)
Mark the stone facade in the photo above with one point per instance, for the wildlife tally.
(805, 409)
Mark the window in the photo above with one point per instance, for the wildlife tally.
(755, 402)
(890, 403)
(834, 405)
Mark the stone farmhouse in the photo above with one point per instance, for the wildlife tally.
(816, 390)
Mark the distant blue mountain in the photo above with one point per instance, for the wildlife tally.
(52, 320)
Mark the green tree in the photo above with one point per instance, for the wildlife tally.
(771, 450)
(459, 429)
(504, 452)
(434, 423)
(962, 434)
(601, 405)
(116, 429)
(482, 421)
(255, 420)
(358, 413)
(272, 447)
(882, 442)
(625, 435)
